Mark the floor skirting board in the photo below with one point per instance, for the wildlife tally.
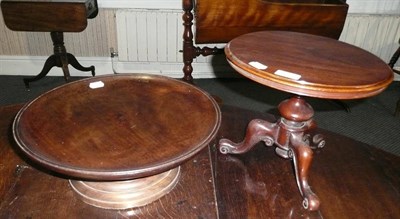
(28, 65)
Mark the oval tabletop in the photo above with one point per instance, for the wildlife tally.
(117, 127)
(308, 65)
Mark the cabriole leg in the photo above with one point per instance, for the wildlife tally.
(302, 156)
(257, 130)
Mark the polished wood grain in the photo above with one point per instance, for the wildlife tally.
(357, 180)
(29, 191)
(47, 16)
(117, 127)
(122, 139)
(126, 194)
(222, 21)
(327, 68)
(352, 179)
(304, 65)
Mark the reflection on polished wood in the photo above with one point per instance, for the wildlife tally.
(128, 193)
(127, 127)
(304, 65)
(224, 20)
(28, 190)
(292, 134)
(353, 179)
(357, 180)
(326, 68)
(120, 127)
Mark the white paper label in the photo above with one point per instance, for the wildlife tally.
(287, 74)
(97, 84)
(258, 65)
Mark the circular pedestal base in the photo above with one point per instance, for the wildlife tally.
(126, 194)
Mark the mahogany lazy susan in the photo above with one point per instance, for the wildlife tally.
(118, 139)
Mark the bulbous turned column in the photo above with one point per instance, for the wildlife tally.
(296, 109)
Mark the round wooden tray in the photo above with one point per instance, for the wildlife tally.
(117, 127)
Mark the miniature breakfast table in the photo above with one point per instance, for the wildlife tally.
(119, 139)
(304, 65)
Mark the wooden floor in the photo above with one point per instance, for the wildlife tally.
(352, 179)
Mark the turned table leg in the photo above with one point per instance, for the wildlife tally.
(61, 59)
(293, 136)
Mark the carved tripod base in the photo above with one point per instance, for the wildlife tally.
(60, 59)
(293, 135)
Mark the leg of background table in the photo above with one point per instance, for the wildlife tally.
(64, 66)
(397, 112)
(50, 63)
(74, 62)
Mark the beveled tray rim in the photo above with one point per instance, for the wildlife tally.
(123, 174)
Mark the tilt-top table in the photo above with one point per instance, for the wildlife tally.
(120, 139)
(304, 65)
(56, 17)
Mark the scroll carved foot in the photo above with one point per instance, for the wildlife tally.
(257, 130)
(302, 156)
(314, 141)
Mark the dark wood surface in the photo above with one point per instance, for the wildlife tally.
(56, 17)
(48, 16)
(133, 125)
(327, 68)
(353, 180)
(222, 21)
(29, 191)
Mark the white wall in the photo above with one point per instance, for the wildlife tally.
(374, 6)
(148, 4)
(15, 65)
(355, 6)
